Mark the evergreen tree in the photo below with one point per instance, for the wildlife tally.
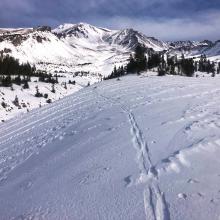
(138, 62)
(38, 94)
(218, 68)
(53, 88)
(25, 86)
(131, 66)
(65, 86)
(16, 101)
(187, 67)
(6, 81)
(17, 80)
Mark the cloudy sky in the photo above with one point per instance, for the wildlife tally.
(164, 19)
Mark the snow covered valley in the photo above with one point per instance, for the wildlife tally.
(143, 147)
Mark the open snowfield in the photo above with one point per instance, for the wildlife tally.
(139, 148)
(27, 99)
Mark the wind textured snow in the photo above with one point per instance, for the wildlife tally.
(138, 148)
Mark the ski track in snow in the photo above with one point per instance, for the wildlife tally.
(156, 201)
(196, 122)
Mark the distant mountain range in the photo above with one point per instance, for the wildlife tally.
(72, 48)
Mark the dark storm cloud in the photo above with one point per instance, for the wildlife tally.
(151, 16)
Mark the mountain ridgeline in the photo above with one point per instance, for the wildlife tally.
(86, 49)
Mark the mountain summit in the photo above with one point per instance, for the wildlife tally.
(71, 48)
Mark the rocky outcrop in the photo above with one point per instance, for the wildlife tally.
(42, 28)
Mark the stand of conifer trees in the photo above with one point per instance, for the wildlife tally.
(11, 71)
(144, 59)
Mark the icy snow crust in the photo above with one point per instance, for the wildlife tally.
(138, 148)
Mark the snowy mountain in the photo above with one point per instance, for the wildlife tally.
(130, 38)
(195, 49)
(79, 52)
(127, 38)
(188, 48)
(139, 148)
(213, 52)
(189, 44)
(72, 48)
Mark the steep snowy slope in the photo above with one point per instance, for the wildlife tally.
(94, 54)
(130, 38)
(37, 47)
(138, 148)
(91, 33)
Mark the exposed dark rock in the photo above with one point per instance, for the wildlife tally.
(42, 28)
(7, 50)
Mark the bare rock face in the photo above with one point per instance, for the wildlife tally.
(40, 39)
(7, 50)
(16, 39)
(42, 28)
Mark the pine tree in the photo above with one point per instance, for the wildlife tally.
(38, 94)
(53, 88)
(17, 80)
(65, 86)
(138, 62)
(25, 86)
(16, 101)
(131, 66)
(187, 67)
(6, 81)
(218, 68)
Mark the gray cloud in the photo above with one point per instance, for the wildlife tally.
(170, 19)
(199, 27)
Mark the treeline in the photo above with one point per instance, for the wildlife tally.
(11, 71)
(143, 60)
(11, 66)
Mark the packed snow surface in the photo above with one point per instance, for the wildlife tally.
(138, 148)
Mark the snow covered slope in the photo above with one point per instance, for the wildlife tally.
(71, 48)
(195, 49)
(214, 52)
(138, 148)
(130, 38)
(28, 101)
